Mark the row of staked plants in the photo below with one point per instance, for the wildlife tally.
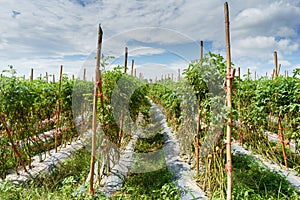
(30, 109)
(33, 112)
(269, 107)
(195, 108)
(31, 118)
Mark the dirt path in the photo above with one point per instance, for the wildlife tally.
(183, 175)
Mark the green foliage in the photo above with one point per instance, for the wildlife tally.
(149, 144)
(253, 180)
(258, 104)
(150, 185)
(61, 184)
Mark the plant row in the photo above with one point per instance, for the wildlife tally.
(196, 109)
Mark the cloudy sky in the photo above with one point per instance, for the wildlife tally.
(160, 35)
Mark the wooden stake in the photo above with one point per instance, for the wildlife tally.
(122, 111)
(281, 137)
(255, 75)
(47, 77)
(31, 74)
(125, 60)
(132, 65)
(95, 100)
(229, 78)
(84, 74)
(278, 70)
(275, 64)
(53, 78)
(178, 75)
(9, 134)
(239, 75)
(201, 50)
(197, 147)
(57, 132)
(134, 72)
(248, 74)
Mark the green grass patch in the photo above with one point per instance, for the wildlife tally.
(153, 143)
(253, 180)
(150, 185)
(61, 184)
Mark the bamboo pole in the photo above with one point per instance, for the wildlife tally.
(9, 134)
(178, 75)
(255, 75)
(58, 109)
(98, 81)
(278, 70)
(275, 64)
(281, 137)
(273, 74)
(239, 75)
(134, 72)
(125, 60)
(132, 65)
(201, 50)
(31, 74)
(248, 74)
(122, 111)
(229, 78)
(53, 78)
(46, 77)
(197, 148)
(84, 74)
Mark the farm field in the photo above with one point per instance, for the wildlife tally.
(208, 132)
(257, 112)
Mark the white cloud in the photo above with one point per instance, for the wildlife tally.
(47, 31)
(282, 62)
(262, 46)
(139, 51)
(279, 17)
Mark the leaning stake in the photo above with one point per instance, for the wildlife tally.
(57, 131)
(94, 121)
(229, 78)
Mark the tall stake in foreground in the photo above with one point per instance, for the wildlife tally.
(94, 122)
(57, 132)
(122, 111)
(229, 78)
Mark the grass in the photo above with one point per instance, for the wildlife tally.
(252, 180)
(150, 185)
(61, 184)
(149, 178)
(145, 145)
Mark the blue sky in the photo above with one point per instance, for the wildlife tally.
(161, 35)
